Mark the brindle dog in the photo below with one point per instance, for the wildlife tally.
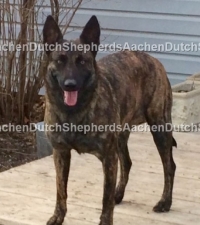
(127, 87)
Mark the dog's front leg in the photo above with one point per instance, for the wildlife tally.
(62, 160)
(110, 176)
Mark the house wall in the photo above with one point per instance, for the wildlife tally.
(150, 21)
(153, 22)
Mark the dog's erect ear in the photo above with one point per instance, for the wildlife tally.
(51, 33)
(91, 34)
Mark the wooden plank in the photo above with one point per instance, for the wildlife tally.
(34, 211)
(139, 168)
(184, 189)
(88, 208)
(8, 222)
(84, 189)
(138, 165)
(28, 192)
(81, 172)
(141, 178)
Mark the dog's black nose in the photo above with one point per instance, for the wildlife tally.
(70, 83)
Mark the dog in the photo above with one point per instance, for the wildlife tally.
(126, 87)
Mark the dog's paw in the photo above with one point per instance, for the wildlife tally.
(119, 195)
(162, 206)
(55, 220)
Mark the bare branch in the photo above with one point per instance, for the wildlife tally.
(22, 72)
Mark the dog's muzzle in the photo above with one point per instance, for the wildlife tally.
(70, 92)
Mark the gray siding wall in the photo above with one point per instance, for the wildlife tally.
(150, 21)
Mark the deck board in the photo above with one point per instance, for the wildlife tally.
(27, 193)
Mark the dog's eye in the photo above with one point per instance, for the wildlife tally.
(80, 60)
(61, 59)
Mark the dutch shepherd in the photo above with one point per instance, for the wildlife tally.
(126, 87)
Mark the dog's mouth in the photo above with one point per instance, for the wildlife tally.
(70, 97)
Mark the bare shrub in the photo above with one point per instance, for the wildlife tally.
(21, 70)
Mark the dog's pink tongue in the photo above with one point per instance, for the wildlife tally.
(70, 97)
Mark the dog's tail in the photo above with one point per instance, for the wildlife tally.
(174, 142)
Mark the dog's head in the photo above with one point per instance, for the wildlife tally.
(72, 65)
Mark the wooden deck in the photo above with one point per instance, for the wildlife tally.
(27, 193)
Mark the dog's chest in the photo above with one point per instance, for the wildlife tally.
(93, 143)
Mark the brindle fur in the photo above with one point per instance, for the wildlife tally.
(124, 87)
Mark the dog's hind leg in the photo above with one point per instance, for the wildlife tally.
(164, 141)
(62, 160)
(125, 166)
